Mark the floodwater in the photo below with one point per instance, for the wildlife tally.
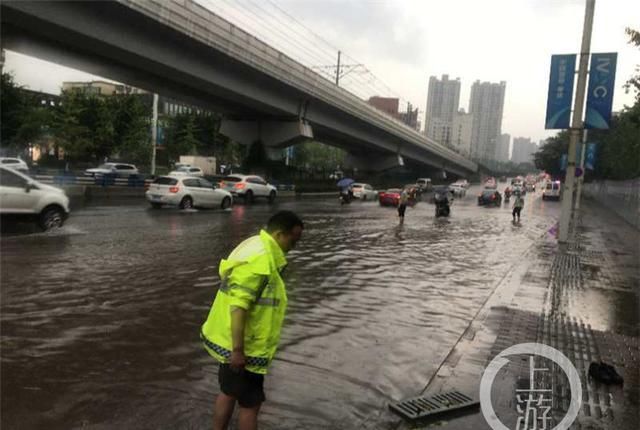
(100, 320)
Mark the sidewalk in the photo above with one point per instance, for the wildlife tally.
(582, 299)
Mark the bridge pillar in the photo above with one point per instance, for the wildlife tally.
(373, 163)
(272, 134)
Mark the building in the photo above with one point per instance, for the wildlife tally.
(502, 151)
(461, 133)
(101, 88)
(391, 106)
(523, 150)
(486, 105)
(388, 105)
(443, 100)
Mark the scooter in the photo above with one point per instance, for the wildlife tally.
(442, 209)
(345, 198)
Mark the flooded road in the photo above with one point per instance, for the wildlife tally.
(100, 321)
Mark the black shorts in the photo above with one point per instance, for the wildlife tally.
(516, 211)
(246, 387)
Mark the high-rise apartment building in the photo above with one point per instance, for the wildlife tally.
(443, 100)
(502, 152)
(486, 105)
(523, 150)
(461, 133)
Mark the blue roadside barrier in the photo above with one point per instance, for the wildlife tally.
(136, 181)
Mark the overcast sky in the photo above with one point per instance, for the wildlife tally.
(405, 41)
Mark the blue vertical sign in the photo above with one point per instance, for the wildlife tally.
(563, 162)
(563, 69)
(602, 76)
(590, 156)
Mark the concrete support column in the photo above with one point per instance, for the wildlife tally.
(272, 133)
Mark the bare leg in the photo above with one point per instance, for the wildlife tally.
(223, 411)
(248, 418)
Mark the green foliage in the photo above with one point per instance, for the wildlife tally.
(132, 128)
(315, 155)
(634, 82)
(549, 155)
(181, 136)
(256, 158)
(71, 134)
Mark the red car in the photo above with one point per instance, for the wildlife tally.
(391, 197)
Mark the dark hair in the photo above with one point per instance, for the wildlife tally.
(284, 221)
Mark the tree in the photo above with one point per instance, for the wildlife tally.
(634, 81)
(132, 129)
(69, 131)
(181, 136)
(548, 157)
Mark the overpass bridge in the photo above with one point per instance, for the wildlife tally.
(180, 49)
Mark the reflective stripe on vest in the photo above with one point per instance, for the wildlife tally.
(223, 352)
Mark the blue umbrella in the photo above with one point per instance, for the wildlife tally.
(345, 182)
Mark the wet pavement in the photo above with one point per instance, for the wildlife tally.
(582, 299)
(100, 320)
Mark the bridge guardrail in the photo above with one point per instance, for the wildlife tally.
(212, 30)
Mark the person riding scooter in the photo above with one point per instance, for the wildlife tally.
(442, 202)
(346, 195)
(507, 194)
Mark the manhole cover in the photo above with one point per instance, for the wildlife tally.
(422, 407)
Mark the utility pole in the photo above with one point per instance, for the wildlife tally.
(581, 178)
(154, 133)
(338, 70)
(576, 124)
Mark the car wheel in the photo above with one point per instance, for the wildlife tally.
(226, 203)
(248, 197)
(272, 196)
(156, 205)
(186, 203)
(51, 217)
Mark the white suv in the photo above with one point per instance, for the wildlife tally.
(249, 187)
(23, 196)
(118, 169)
(14, 163)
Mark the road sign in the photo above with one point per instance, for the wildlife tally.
(602, 76)
(560, 91)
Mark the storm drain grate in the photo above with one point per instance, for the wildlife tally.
(422, 407)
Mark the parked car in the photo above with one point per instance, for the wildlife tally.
(187, 171)
(364, 191)
(552, 191)
(24, 197)
(390, 197)
(117, 169)
(489, 198)
(249, 187)
(14, 163)
(424, 184)
(187, 192)
(458, 189)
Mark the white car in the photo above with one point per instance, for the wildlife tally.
(14, 163)
(463, 182)
(22, 196)
(187, 192)
(364, 191)
(552, 191)
(117, 169)
(249, 187)
(424, 184)
(458, 189)
(187, 171)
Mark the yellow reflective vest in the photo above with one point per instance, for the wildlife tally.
(250, 279)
